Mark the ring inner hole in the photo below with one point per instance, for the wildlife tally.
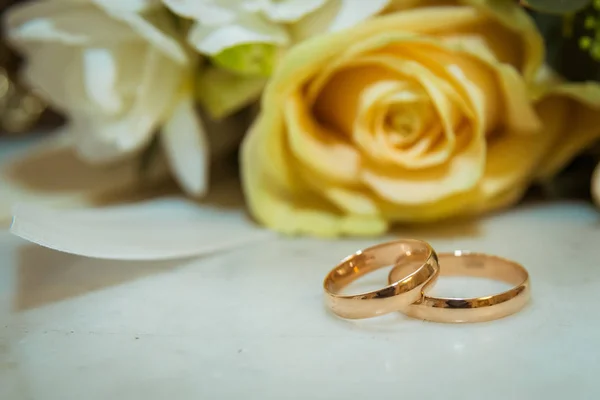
(469, 275)
(467, 287)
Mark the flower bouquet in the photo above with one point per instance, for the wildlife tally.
(350, 116)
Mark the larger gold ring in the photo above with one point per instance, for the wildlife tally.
(441, 309)
(402, 290)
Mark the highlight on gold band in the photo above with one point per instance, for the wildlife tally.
(478, 309)
(401, 292)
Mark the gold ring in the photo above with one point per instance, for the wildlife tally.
(398, 295)
(479, 309)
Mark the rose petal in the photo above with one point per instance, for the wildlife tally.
(336, 15)
(516, 109)
(309, 57)
(358, 84)
(317, 147)
(289, 211)
(275, 190)
(520, 34)
(339, 99)
(459, 174)
(357, 202)
(579, 127)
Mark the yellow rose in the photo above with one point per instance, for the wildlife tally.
(571, 122)
(418, 115)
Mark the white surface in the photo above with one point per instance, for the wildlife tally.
(250, 323)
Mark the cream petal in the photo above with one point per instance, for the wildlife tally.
(63, 23)
(102, 141)
(100, 79)
(101, 138)
(219, 12)
(158, 229)
(335, 16)
(44, 64)
(290, 10)
(247, 28)
(186, 147)
(128, 6)
(595, 185)
(158, 30)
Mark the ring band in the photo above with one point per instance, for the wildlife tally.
(398, 295)
(439, 309)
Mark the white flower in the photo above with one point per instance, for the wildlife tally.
(222, 24)
(117, 70)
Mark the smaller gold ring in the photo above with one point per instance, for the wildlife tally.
(479, 309)
(398, 295)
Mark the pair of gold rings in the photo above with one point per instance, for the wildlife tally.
(416, 267)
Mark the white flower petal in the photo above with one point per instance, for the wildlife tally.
(105, 138)
(248, 28)
(208, 12)
(167, 228)
(63, 23)
(596, 185)
(157, 30)
(44, 66)
(291, 10)
(100, 80)
(128, 6)
(337, 15)
(186, 147)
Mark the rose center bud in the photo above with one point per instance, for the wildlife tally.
(405, 122)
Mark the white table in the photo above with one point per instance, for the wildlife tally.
(250, 323)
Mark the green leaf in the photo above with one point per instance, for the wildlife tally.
(251, 59)
(222, 93)
(556, 6)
